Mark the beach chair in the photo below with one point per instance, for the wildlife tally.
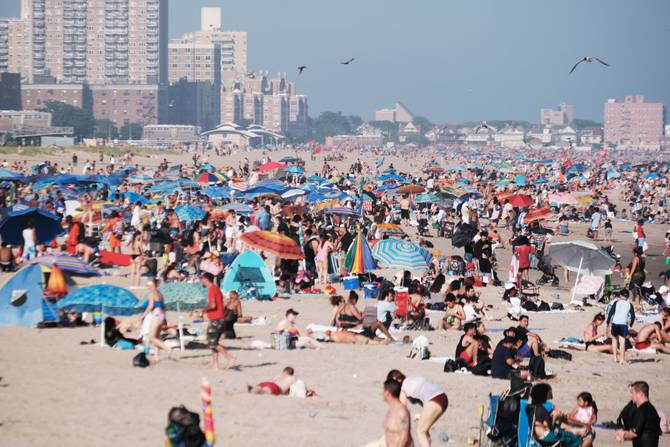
(402, 306)
(525, 433)
(489, 423)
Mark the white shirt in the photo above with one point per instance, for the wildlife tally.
(28, 237)
(419, 388)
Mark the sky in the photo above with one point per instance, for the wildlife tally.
(451, 60)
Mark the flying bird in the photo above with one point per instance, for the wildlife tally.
(301, 69)
(348, 62)
(251, 75)
(483, 125)
(589, 59)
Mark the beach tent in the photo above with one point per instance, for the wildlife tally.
(247, 271)
(22, 299)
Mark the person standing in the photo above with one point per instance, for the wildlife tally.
(620, 316)
(645, 425)
(397, 421)
(431, 397)
(215, 314)
(29, 241)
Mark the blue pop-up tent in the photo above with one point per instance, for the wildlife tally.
(249, 271)
(22, 299)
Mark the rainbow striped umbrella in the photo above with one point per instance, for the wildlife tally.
(359, 256)
(277, 244)
(207, 414)
(66, 263)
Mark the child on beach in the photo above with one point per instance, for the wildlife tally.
(585, 414)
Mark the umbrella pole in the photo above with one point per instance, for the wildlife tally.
(102, 326)
(579, 270)
(181, 329)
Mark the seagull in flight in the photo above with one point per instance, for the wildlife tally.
(483, 125)
(251, 75)
(348, 62)
(301, 68)
(589, 59)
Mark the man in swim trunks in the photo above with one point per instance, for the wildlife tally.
(650, 336)
(468, 347)
(397, 422)
(455, 315)
(280, 385)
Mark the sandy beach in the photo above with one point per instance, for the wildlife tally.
(55, 391)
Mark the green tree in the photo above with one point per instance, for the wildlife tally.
(579, 124)
(131, 131)
(355, 121)
(328, 124)
(424, 124)
(105, 129)
(65, 115)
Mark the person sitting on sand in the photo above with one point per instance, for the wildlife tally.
(455, 316)
(532, 343)
(352, 338)
(288, 325)
(650, 336)
(348, 316)
(468, 347)
(595, 341)
(584, 415)
(504, 364)
(278, 386)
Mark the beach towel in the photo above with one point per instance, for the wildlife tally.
(114, 259)
(258, 321)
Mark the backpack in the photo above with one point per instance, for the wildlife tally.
(183, 428)
(536, 367)
(559, 354)
(140, 360)
(543, 307)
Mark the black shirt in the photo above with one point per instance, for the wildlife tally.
(521, 334)
(647, 426)
(500, 369)
(345, 241)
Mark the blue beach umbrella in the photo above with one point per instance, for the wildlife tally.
(426, 198)
(294, 170)
(47, 225)
(399, 254)
(216, 192)
(134, 197)
(239, 208)
(189, 213)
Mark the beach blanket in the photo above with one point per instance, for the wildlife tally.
(571, 343)
(114, 259)
(258, 321)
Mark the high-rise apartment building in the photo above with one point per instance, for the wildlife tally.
(91, 41)
(15, 47)
(634, 123)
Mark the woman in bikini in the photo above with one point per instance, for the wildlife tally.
(137, 248)
(321, 258)
(156, 307)
(595, 341)
(349, 316)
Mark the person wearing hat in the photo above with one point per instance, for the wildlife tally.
(288, 325)
(664, 293)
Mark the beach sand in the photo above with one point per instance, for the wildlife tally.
(55, 391)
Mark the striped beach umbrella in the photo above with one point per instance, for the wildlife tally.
(189, 213)
(277, 244)
(66, 263)
(398, 254)
(391, 229)
(537, 214)
(359, 256)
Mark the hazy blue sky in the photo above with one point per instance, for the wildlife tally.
(451, 60)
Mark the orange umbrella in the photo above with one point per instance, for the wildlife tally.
(292, 210)
(520, 200)
(537, 214)
(410, 189)
(270, 166)
(279, 245)
(433, 169)
(504, 196)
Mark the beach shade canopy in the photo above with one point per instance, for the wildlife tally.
(410, 189)
(270, 166)
(112, 300)
(66, 263)
(47, 225)
(216, 192)
(520, 200)
(293, 193)
(189, 213)
(22, 298)
(277, 244)
(426, 198)
(183, 295)
(134, 197)
(398, 254)
(293, 169)
(391, 177)
(562, 198)
(581, 256)
(239, 208)
(537, 214)
(359, 257)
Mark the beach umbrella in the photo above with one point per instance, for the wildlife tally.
(433, 170)
(562, 198)
(165, 187)
(341, 211)
(207, 167)
(426, 198)
(65, 263)
(294, 170)
(390, 229)
(180, 296)
(410, 189)
(520, 180)
(520, 200)
(264, 196)
(651, 176)
(399, 254)
(189, 213)
(537, 214)
(208, 178)
(134, 197)
(277, 244)
(288, 159)
(581, 256)
(216, 192)
(389, 177)
(207, 414)
(292, 193)
(103, 298)
(359, 256)
(270, 166)
(47, 225)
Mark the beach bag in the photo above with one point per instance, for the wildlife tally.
(482, 367)
(557, 306)
(183, 428)
(559, 354)
(529, 306)
(537, 368)
(455, 365)
(140, 360)
(543, 307)
(420, 348)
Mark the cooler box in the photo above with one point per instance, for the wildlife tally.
(351, 283)
(401, 293)
(370, 290)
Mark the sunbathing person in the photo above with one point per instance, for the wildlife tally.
(280, 385)
(650, 336)
(455, 316)
(595, 341)
(352, 338)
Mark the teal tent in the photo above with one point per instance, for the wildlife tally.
(250, 277)
(22, 299)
